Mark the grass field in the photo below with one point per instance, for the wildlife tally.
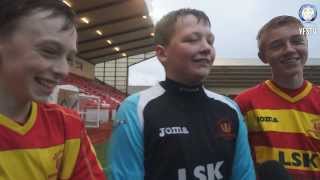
(101, 150)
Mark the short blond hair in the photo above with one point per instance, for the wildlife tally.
(276, 22)
(164, 29)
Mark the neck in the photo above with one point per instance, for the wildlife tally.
(182, 90)
(187, 85)
(184, 81)
(12, 108)
(293, 82)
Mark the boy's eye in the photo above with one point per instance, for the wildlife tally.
(298, 40)
(192, 39)
(49, 52)
(276, 45)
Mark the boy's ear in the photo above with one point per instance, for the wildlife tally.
(262, 57)
(161, 54)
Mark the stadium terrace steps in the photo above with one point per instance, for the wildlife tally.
(107, 94)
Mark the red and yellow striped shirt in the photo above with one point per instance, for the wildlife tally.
(52, 144)
(284, 126)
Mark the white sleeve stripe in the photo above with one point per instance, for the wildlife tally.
(145, 97)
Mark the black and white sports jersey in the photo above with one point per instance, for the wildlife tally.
(174, 132)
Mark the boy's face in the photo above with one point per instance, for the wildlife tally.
(190, 53)
(285, 49)
(34, 59)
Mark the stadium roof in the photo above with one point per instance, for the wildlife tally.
(111, 29)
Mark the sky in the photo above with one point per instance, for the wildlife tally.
(235, 25)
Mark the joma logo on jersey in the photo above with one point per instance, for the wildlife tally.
(267, 119)
(173, 130)
(315, 131)
(299, 159)
(203, 172)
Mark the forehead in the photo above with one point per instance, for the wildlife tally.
(41, 25)
(190, 20)
(43, 20)
(189, 24)
(40, 30)
(280, 32)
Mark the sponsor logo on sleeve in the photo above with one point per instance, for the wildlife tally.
(225, 129)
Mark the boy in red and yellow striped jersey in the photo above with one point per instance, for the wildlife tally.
(39, 140)
(283, 114)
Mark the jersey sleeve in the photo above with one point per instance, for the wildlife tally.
(126, 154)
(87, 166)
(243, 168)
(245, 99)
(79, 160)
(243, 103)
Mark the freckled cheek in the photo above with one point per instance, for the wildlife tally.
(182, 53)
(274, 57)
(38, 68)
(191, 52)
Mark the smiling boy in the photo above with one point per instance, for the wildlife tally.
(178, 130)
(39, 140)
(283, 113)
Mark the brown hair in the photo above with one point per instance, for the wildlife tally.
(275, 23)
(11, 11)
(164, 29)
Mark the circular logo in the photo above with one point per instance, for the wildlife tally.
(308, 12)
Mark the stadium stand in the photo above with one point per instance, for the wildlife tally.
(109, 96)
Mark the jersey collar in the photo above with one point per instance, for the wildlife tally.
(285, 96)
(18, 128)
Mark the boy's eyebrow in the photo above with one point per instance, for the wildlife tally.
(277, 41)
(200, 34)
(281, 39)
(56, 44)
(196, 33)
(50, 43)
(298, 36)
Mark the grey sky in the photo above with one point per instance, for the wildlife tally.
(235, 25)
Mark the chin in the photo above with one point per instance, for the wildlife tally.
(292, 73)
(202, 74)
(199, 78)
